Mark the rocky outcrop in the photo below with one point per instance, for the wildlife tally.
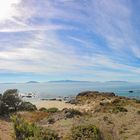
(90, 97)
(93, 93)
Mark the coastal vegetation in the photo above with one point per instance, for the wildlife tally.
(95, 116)
(49, 110)
(11, 102)
(29, 131)
(85, 132)
(137, 101)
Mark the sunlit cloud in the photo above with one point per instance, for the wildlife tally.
(7, 9)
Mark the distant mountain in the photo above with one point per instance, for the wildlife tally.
(66, 81)
(32, 82)
(9, 83)
(117, 82)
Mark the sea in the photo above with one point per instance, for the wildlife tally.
(55, 89)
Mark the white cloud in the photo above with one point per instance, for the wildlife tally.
(46, 52)
(7, 9)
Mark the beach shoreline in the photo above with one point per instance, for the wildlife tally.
(49, 104)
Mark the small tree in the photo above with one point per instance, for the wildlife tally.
(0, 96)
(11, 102)
(11, 99)
(3, 108)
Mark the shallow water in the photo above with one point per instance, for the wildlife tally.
(53, 89)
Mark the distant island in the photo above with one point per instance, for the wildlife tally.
(117, 81)
(68, 81)
(65, 81)
(29, 82)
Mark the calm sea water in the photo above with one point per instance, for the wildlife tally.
(53, 89)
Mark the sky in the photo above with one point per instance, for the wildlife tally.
(92, 40)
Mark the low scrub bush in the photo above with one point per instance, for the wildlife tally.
(138, 112)
(48, 134)
(51, 120)
(49, 110)
(27, 106)
(119, 109)
(70, 113)
(29, 131)
(85, 132)
(42, 109)
(52, 110)
(137, 101)
(24, 130)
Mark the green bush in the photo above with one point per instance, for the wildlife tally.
(138, 112)
(119, 109)
(47, 134)
(85, 132)
(49, 110)
(43, 109)
(24, 130)
(4, 108)
(70, 113)
(27, 106)
(29, 131)
(51, 120)
(137, 101)
(52, 110)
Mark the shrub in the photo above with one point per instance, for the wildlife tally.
(24, 130)
(51, 120)
(85, 132)
(27, 106)
(70, 113)
(0, 96)
(138, 112)
(3, 108)
(42, 109)
(119, 109)
(29, 131)
(137, 101)
(48, 134)
(52, 110)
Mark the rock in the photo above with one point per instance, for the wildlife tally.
(85, 93)
(105, 102)
(93, 93)
(72, 101)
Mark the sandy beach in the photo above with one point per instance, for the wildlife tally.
(61, 105)
(48, 104)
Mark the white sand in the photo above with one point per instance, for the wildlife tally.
(60, 105)
(48, 104)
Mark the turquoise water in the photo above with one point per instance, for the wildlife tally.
(53, 89)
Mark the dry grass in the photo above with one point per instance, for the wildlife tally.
(114, 126)
(35, 116)
(6, 130)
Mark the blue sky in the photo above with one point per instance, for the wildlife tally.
(95, 40)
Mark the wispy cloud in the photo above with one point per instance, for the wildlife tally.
(69, 37)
